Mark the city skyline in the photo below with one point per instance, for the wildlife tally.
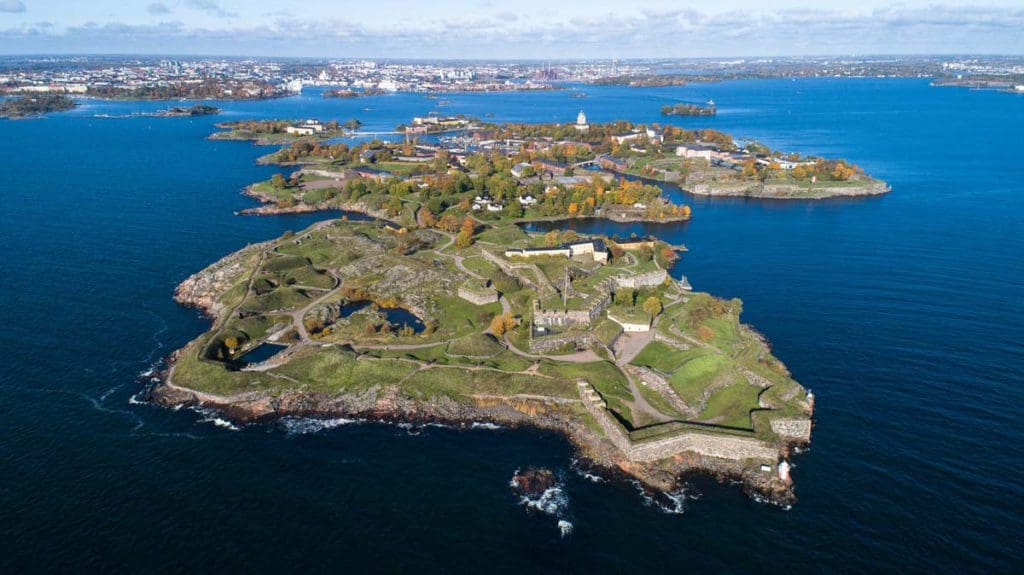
(494, 30)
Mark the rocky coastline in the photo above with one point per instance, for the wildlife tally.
(385, 405)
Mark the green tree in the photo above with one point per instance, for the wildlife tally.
(625, 296)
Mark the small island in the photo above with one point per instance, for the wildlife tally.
(194, 110)
(35, 105)
(346, 93)
(589, 336)
(269, 132)
(687, 109)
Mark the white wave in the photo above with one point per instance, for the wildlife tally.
(585, 474)
(758, 498)
(220, 422)
(565, 527)
(552, 502)
(673, 503)
(484, 425)
(306, 425)
(213, 416)
(135, 399)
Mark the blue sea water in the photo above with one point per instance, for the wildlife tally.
(902, 312)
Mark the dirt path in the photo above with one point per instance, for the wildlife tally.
(630, 344)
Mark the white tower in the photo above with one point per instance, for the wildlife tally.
(784, 470)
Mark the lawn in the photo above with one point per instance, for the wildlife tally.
(660, 356)
(731, 405)
(477, 345)
(690, 380)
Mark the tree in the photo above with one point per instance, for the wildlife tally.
(498, 326)
(231, 342)
(502, 324)
(652, 305)
(278, 181)
(515, 209)
(426, 217)
(625, 296)
(448, 223)
(463, 240)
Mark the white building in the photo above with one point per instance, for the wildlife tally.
(307, 128)
(519, 169)
(694, 151)
(581, 122)
(627, 138)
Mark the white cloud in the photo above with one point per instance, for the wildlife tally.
(12, 6)
(667, 33)
(158, 8)
(211, 7)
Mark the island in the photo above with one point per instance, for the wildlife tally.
(1010, 83)
(687, 109)
(345, 93)
(194, 110)
(517, 172)
(268, 132)
(35, 105)
(589, 336)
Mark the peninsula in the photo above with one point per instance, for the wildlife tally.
(587, 336)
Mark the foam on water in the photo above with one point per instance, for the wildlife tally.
(308, 425)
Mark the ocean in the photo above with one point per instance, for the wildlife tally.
(901, 312)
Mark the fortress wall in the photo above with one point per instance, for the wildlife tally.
(793, 428)
(707, 444)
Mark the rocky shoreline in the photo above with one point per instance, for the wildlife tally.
(385, 405)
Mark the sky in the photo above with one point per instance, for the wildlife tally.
(489, 29)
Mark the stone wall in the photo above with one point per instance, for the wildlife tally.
(707, 444)
(649, 279)
(552, 342)
(558, 317)
(481, 296)
(799, 429)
